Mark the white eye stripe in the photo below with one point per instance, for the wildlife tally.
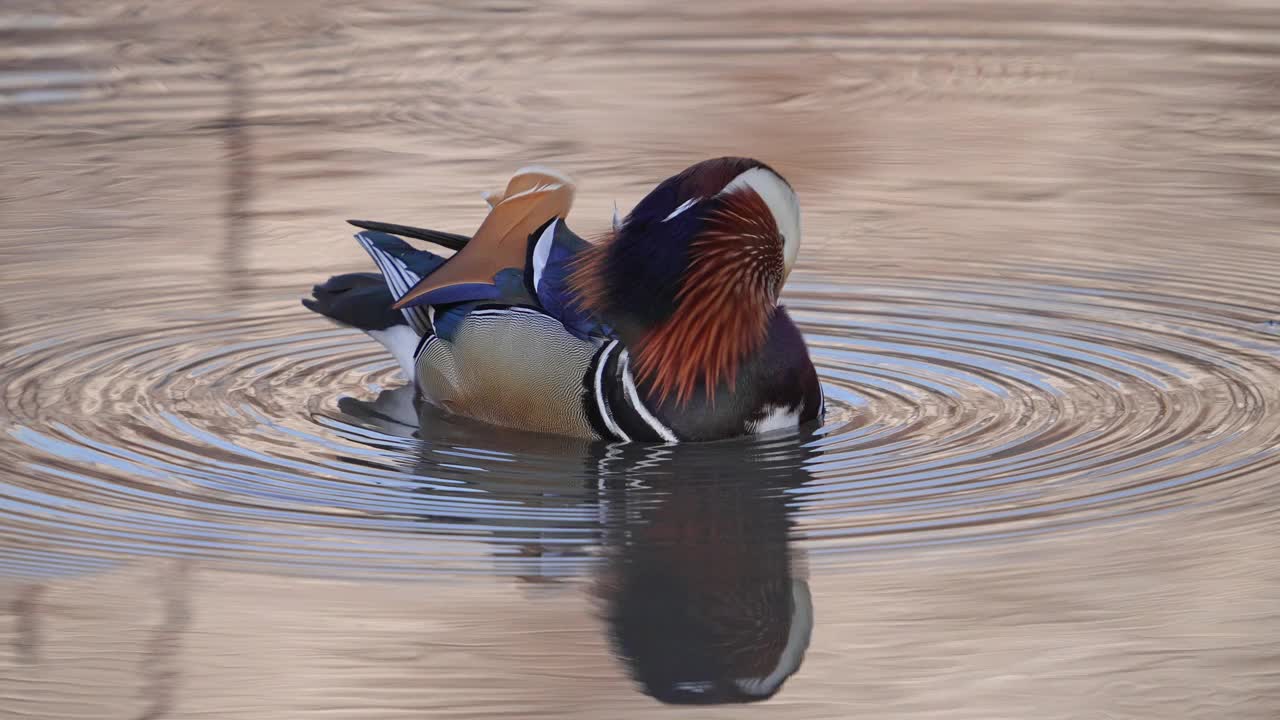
(782, 203)
(683, 206)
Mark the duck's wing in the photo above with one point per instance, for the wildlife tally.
(402, 266)
(553, 250)
(510, 261)
(541, 282)
(533, 197)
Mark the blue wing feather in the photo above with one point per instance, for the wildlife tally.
(418, 262)
(552, 252)
(403, 266)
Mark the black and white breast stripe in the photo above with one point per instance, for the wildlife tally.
(637, 405)
(613, 402)
(399, 280)
(595, 377)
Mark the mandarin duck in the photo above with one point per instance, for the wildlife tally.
(666, 330)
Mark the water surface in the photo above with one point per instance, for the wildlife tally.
(1038, 278)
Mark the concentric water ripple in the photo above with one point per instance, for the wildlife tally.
(1039, 277)
(997, 403)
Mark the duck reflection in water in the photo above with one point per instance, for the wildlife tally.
(701, 593)
(700, 587)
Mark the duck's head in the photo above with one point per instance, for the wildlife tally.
(691, 277)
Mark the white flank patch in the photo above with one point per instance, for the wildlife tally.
(401, 340)
(776, 417)
(782, 203)
(617, 219)
(542, 251)
(683, 206)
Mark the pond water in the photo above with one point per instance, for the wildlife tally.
(1039, 279)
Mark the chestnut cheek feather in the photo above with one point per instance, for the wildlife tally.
(587, 277)
(726, 300)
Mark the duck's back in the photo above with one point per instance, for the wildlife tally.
(500, 338)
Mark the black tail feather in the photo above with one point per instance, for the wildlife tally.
(449, 240)
(360, 300)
